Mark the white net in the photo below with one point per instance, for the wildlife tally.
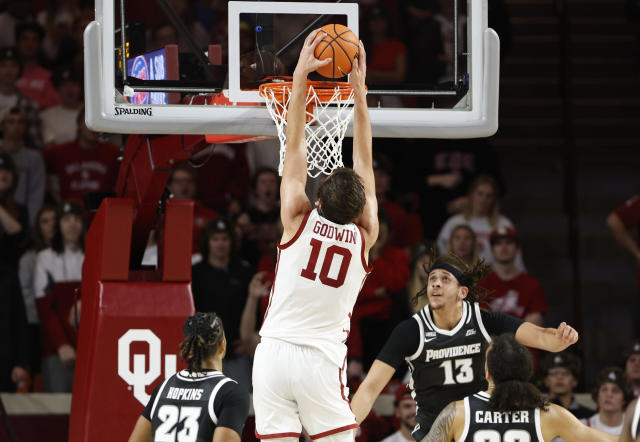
(328, 111)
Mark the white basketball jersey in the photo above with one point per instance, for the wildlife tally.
(319, 274)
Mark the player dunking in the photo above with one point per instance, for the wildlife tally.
(299, 367)
(199, 404)
(444, 344)
(512, 409)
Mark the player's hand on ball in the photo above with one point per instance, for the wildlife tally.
(359, 72)
(567, 335)
(307, 62)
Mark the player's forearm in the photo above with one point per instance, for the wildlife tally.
(362, 403)
(362, 156)
(531, 335)
(621, 234)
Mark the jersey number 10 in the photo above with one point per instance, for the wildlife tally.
(309, 271)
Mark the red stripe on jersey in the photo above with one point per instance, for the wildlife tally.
(275, 435)
(367, 268)
(298, 233)
(273, 287)
(340, 379)
(334, 431)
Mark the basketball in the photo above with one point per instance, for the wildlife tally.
(340, 44)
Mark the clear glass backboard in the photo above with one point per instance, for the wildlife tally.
(159, 68)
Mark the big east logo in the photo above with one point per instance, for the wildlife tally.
(146, 367)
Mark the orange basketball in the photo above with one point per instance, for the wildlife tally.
(341, 44)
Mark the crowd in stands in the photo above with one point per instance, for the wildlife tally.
(50, 159)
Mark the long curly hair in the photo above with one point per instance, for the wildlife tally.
(470, 274)
(509, 364)
(203, 333)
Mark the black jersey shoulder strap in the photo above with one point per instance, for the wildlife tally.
(635, 421)
(421, 325)
(476, 309)
(467, 420)
(155, 401)
(212, 398)
(536, 414)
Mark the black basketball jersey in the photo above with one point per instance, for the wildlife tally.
(190, 406)
(635, 423)
(448, 364)
(482, 425)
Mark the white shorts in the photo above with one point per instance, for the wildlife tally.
(296, 386)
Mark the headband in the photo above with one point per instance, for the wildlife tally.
(451, 269)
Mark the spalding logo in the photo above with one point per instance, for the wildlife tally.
(139, 378)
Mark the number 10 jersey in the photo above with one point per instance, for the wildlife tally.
(319, 274)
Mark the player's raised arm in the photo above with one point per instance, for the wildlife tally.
(293, 200)
(548, 339)
(560, 422)
(362, 156)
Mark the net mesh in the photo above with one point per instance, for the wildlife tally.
(329, 110)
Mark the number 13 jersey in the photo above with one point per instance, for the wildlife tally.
(448, 364)
(319, 274)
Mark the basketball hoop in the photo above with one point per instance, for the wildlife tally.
(329, 107)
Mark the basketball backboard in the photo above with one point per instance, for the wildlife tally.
(226, 52)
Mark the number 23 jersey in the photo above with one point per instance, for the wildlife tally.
(319, 274)
(189, 407)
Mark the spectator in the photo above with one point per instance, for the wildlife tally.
(405, 412)
(57, 277)
(620, 222)
(612, 396)
(511, 290)
(82, 166)
(424, 40)
(264, 209)
(386, 54)
(14, 219)
(182, 185)
(258, 290)
(632, 368)
(561, 378)
(220, 283)
(16, 11)
(450, 167)
(11, 97)
(57, 19)
(444, 17)
(59, 123)
(482, 214)
(405, 231)
(31, 173)
(14, 344)
(463, 243)
(42, 236)
(35, 81)
(224, 176)
(388, 279)
(420, 261)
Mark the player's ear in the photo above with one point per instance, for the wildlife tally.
(463, 291)
(222, 348)
(318, 203)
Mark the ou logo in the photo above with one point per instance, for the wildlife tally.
(139, 378)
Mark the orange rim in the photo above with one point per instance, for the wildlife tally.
(325, 90)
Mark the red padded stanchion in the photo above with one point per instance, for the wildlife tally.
(129, 331)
